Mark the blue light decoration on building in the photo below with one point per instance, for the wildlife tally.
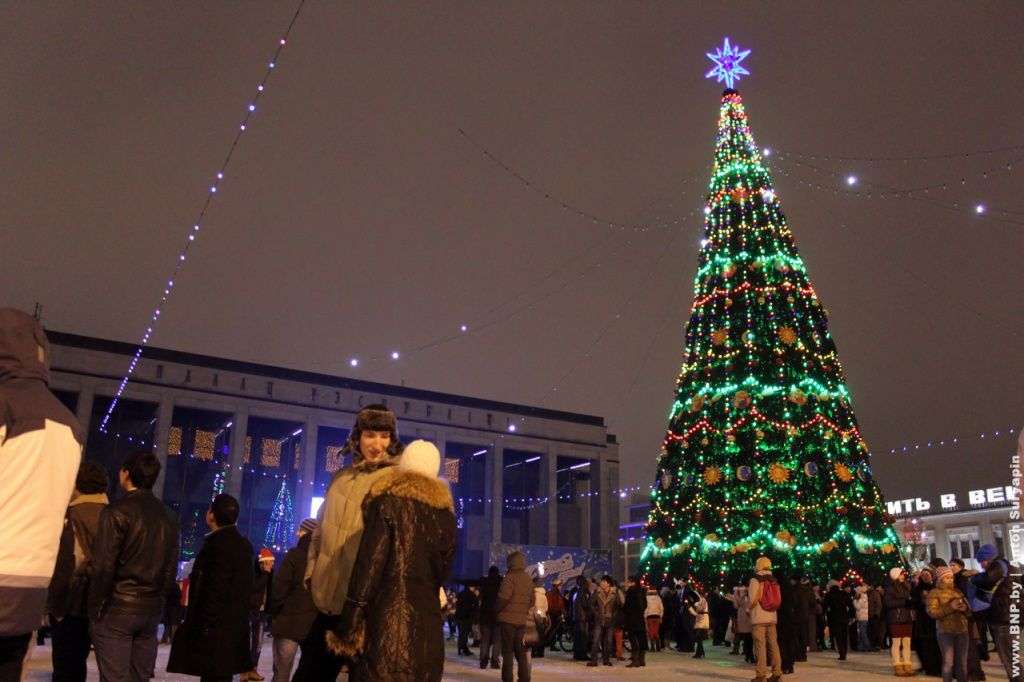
(727, 64)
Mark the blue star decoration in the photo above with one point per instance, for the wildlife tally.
(727, 64)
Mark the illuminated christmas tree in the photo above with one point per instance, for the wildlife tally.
(763, 454)
(281, 527)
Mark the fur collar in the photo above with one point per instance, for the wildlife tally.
(414, 486)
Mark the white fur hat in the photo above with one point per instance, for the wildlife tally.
(422, 457)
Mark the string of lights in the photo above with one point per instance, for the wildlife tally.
(938, 156)
(193, 232)
(611, 322)
(481, 322)
(922, 193)
(562, 203)
(591, 258)
(951, 441)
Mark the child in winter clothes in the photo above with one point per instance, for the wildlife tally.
(654, 612)
(948, 606)
(701, 623)
(861, 606)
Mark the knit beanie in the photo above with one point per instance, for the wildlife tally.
(422, 457)
(986, 553)
(308, 525)
(763, 564)
(942, 572)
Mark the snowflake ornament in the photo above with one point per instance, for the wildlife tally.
(727, 64)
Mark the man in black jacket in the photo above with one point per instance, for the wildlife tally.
(291, 608)
(134, 563)
(213, 642)
(636, 622)
(839, 612)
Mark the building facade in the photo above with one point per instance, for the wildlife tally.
(273, 437)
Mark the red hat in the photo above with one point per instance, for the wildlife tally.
(266, 555)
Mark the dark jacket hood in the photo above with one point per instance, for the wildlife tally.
(21, 338)
(25, 401)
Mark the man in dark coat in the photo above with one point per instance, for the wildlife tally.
(66, 601)
(213, 642)
(635, 622)
(788, 626)
(838, 606)
(803, 614)
(466, 608)
(581, 620)
(134, 563)
(721, 612)
(391, 624)
(490, 637)
(685, 620)
(291, 607)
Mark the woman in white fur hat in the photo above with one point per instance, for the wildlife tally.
(392, 622)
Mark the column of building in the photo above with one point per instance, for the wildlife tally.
(549, 480)
(236, 469)
(307, 480)
(164, 417)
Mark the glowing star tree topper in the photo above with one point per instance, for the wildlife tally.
(727, 64)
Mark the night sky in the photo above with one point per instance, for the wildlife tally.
(355, 218)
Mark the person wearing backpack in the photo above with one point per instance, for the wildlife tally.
(989, 594)
(765, 600)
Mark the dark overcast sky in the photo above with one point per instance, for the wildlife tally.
(355, 219)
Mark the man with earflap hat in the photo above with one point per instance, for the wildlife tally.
(374, 446)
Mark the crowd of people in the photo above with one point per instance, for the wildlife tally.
(362, 589)
(946, 615)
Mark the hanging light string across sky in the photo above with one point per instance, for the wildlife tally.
(193, 231)
(939, 156)
(566, 205)
(884, 191)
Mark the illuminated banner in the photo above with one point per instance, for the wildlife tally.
(563, 563)
(951, 502)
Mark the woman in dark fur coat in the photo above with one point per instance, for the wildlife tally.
(391, 621)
